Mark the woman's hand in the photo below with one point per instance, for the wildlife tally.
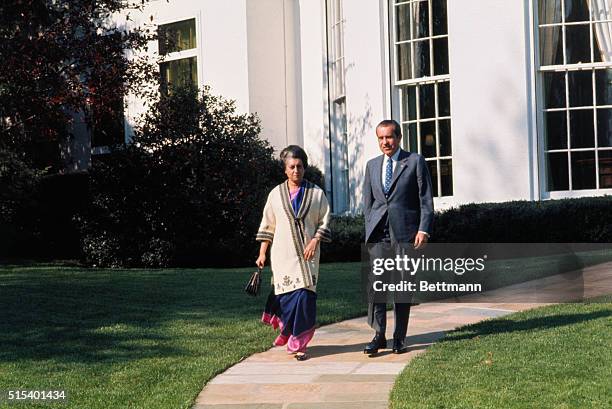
(310, 249)
(261, 261)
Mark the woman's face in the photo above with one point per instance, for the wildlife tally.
(294, 169)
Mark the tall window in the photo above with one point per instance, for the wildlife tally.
(420, 39)
(337, 93)
(575, 65)
(177, 44)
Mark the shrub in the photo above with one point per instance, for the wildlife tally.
(189, 191)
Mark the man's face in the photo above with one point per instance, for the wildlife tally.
(387, 141)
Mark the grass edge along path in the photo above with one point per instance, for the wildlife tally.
(558, 356)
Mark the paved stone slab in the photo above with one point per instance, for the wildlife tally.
(339, 405)
(355, 378)
(242, 406)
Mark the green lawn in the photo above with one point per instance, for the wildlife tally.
(553, 357)
(139, 338)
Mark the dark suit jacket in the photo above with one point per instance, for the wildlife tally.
(409, 205)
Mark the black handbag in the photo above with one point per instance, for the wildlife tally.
(252, 287)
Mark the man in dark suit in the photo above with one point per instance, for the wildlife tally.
(398, 208)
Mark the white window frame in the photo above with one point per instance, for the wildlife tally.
(183, 54)
(398, 86)
(545, 193)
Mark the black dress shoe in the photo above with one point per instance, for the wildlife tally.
(379, 341)
(399, 346)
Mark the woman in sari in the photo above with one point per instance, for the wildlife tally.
(295, 221)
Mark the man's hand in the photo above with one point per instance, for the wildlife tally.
(310, 249)
(420, 241)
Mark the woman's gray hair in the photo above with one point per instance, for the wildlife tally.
(294, 151)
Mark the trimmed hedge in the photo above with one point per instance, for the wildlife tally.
(584, 220)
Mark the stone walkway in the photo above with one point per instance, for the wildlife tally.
(339, 376)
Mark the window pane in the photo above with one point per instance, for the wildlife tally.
(403, 61)
(600, 13)
(412, 133)
(440, 49)
(580, 88)
(578, 44)
(557, 171)
(444, 137)
(177, 36)
(551, 46)
(179, 73)
(603, 86)
(420, 18)
(428, 139)
(440, 25)
(605, 169)
(549, 11)
(604, 128)
(444, 98)
(581, 129)
(583, 170)
(601, 42)
(426, 101)
(554, 89)
(421, 59)
(408, 103)
(403, 22)
(556, 130)
(576, 10)
(433, 172)
(446, 176)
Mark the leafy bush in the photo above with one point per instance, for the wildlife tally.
(189, 191)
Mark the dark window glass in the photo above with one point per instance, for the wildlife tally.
(438, 10)
(412, 134)
(433, 172)
(581, 129)
(444, 98)
(578, 44)
(440, 49)
(604, 128)
(403, 22)
(409, 103)
(576, 10)
(549, 11)
(558, 171)
(428, 139)
(178, 73)
(421, 59)
(603, 86)
(554, 89)
(444, 137)
(177, 36)
(420, 13)
(426, 101)
(556, 130)
(551, 46)
(605, 169)
(403, 60)
(580, 88)
(446, 176)
(583, 170)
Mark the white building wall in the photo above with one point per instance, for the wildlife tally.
(222, 55)
(491, 101)
(364, 46)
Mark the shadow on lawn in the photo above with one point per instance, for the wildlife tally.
(499, 326)
(71, 315)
